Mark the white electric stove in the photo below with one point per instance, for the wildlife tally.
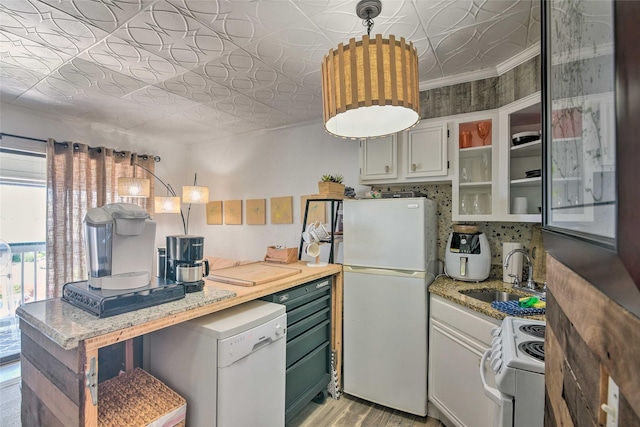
(516, 357)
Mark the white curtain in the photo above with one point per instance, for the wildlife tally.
(80, 177)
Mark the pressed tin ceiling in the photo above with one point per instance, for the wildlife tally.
(195, 70)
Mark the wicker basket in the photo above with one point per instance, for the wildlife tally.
(137, 398)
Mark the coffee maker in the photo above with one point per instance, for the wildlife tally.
(119, 240)
(185, 261)
(468, 255)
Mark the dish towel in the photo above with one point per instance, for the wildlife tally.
(513, 308)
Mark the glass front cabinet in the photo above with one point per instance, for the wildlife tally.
(474, 185)
(499, 162)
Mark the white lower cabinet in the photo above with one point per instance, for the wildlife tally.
(457, 339)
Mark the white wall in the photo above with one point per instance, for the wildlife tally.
(283, 162)
(36, 124)
(258, 165)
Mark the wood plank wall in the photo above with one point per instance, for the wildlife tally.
(52, 381)
(589, 338)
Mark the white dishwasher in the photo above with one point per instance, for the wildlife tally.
(229, 365)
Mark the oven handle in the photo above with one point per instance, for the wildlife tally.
(492, 393)
(504, 402)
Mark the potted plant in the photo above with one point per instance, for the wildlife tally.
(331, 186)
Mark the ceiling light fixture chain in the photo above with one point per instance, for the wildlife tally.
(367, 10)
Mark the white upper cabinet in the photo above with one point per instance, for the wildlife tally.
(378, 159)
(474, 187)
(520, 178)
(418, 155)
(497, 179)
(425, 151)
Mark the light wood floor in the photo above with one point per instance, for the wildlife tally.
(349, 411)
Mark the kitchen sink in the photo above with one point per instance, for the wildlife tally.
(490, 295)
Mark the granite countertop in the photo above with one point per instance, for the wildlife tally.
(450, 289)
(67, 325)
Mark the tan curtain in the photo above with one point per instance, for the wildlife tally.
(80, 177)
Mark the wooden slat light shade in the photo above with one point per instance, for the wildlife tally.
(370, 88)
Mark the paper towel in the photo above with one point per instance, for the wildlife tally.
(515, 262)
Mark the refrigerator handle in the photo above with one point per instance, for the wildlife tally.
(385, 271)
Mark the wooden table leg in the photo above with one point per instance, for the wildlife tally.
(128, 355)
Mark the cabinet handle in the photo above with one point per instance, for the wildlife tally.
(386, 168)
(413, 167)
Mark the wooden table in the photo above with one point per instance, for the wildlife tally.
(60, 342)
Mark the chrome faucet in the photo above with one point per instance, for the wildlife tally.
(530, 283)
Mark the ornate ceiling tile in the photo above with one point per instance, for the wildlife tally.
(106, 14)
(32, 56)
(16, 80)
(199, 69)
(166, 31)
(47, 26)
(126, 58)
(158, 98)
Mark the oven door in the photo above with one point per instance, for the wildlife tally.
(504, 417)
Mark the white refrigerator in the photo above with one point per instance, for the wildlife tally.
(390, 258)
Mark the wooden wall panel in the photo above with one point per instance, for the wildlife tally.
(59, 408)
(589, 337)
(556, 413)
(64, 379)
(68, 357)
(580, 361)
(34, 413)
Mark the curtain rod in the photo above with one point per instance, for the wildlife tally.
(66, 144)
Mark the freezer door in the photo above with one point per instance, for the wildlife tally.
(387, 233)
(385, 340)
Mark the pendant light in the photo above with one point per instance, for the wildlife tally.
(370, 86)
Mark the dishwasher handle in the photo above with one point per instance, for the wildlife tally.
(261, 344)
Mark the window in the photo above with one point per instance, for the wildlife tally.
(23, 229)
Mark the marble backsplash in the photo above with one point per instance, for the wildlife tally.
(496, 232)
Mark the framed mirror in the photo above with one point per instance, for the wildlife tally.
(580, 160)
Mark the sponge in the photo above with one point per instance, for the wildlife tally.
(526, 302)
(534, 302)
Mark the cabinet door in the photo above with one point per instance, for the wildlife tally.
(378, 158)
(458, 336)
(473, 186)
(454, 379)
(521, 148)
(426, 151)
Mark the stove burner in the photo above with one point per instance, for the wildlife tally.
(533, 330)
(534, 349)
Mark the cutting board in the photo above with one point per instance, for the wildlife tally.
(252, 274)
